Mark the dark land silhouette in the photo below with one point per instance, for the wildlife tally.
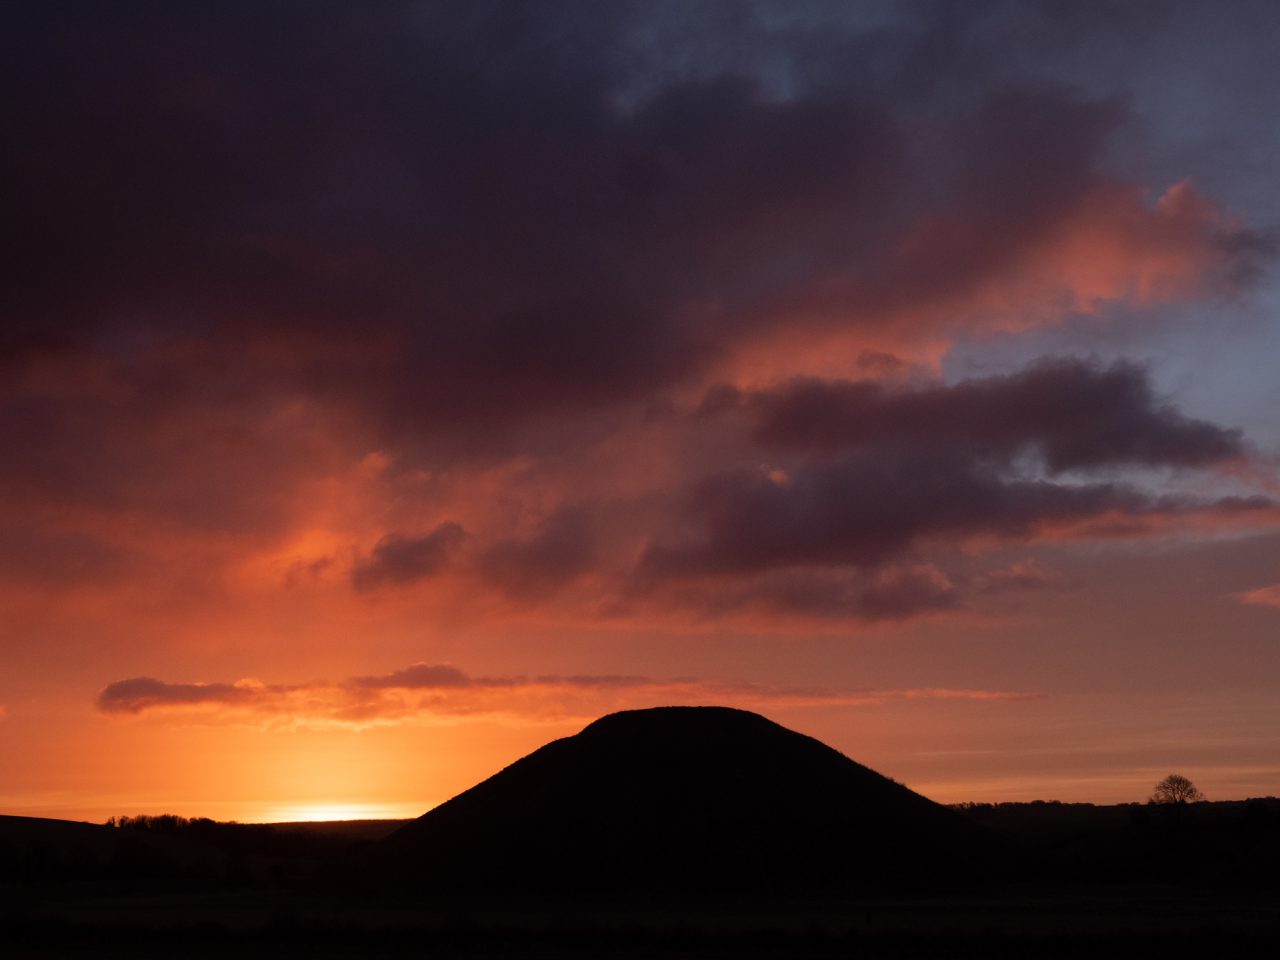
(690, 799)
(684, 832)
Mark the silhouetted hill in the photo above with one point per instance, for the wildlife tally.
(703, 799)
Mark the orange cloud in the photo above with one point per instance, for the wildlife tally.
(1115, 246)
(951, 272)
(439, 693)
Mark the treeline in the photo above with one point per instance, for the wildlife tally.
(170, 848)
(169, 823)
(1261, 810)
(1232, 843)
(232, 837)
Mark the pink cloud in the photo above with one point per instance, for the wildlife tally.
(1262, 597)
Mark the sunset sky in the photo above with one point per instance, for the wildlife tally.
(389, 388)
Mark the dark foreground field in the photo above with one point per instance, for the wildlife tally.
(1132, 881)
(1048, 923)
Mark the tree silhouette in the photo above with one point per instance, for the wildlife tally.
(1176, 788)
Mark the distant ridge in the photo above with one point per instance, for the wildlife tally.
(706, 799)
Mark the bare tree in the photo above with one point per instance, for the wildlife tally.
(1176, 788)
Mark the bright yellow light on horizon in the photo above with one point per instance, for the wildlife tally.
(299, 812)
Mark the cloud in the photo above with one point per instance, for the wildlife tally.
(623, 234)
(398, 559)
(1074, 414)
(869, 508)
(484, 248)
(147, 693)
(837, 499)
(35, 552)
(1262, 596)
(523, 569)
(788, 596)
(908, 591)
(866, 472)
(1023, 575)
(422, 676)
(441, 693)
(562, 549)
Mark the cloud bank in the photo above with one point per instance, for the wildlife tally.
(606, 309)
(443, 693)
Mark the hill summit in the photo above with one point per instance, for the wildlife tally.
(706, 799)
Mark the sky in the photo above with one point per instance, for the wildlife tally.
(389, 388)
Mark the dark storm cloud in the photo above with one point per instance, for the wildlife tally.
(517, 215)
(870, 472)
(1073, 413)
(892, 593)
(869, 508)
(253, 242)
(398, 559)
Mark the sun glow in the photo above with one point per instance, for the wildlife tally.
(299, 812)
